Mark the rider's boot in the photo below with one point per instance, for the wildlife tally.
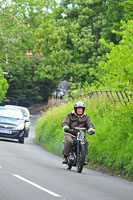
(85, 162)
(65, 160)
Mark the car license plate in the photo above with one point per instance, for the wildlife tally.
(5, 131)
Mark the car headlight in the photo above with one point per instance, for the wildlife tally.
(20, 127)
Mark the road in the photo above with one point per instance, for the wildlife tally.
(28, 172)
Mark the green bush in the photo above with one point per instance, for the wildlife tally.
(49, 132)
(112, 144)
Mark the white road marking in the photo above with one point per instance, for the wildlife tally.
(37, 186)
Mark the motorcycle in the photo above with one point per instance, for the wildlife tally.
(77, 153)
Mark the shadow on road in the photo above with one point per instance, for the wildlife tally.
(9, 140)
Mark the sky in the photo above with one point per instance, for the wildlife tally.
(58, 1)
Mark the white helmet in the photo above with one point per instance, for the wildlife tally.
(79, 105)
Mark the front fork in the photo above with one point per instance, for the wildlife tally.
(78, 152)
(79, 143)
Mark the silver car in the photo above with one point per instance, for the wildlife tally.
(12, 124)
(26, 115)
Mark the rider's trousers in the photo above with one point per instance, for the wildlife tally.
(67, 145)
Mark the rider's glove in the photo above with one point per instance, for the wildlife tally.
(91, 131)
(66, 129)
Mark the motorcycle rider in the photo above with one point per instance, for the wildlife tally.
(76, 118)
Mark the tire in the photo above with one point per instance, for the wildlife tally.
(69, 165)
(21, 140)
(27, 133)
(81, 158)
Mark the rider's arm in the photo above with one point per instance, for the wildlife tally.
(66, 125)
(90, 126)
(66, 122)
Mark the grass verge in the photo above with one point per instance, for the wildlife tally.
(112, 145)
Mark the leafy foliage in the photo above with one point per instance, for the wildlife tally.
(117, 72)
(18, 24)
(112, 145)
(3, 86)
(69, 37)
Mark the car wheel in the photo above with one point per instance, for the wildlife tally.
(21, 140)
(26, 133)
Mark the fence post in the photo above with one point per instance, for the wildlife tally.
(96, 93)
(123, 98)
(118, 96)
(107, 94)
(89, 95)
(127, 96)
(112, 95)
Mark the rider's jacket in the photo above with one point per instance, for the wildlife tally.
(72, 120)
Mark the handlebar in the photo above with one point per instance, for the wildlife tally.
(80, 129)
(75, 130)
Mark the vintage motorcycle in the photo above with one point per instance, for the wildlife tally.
(77, 153)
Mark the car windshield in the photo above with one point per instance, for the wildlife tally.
(7, 113)
(24, 112)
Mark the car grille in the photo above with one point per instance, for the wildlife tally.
(5, 126)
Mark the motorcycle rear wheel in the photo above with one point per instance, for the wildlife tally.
(81, 158)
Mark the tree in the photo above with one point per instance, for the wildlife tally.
(68, 36)
(117, 72)
(88, 21)
(3, 86)
(18, 25)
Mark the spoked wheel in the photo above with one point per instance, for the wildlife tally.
(81, 158)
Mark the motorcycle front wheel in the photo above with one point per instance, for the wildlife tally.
(69, 165)
(81, 158)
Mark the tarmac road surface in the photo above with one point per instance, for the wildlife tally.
(28, 172)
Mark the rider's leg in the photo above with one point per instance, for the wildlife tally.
(86, 147)
(86, 150)
(67, 144)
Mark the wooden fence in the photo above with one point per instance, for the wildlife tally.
(115, 96)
